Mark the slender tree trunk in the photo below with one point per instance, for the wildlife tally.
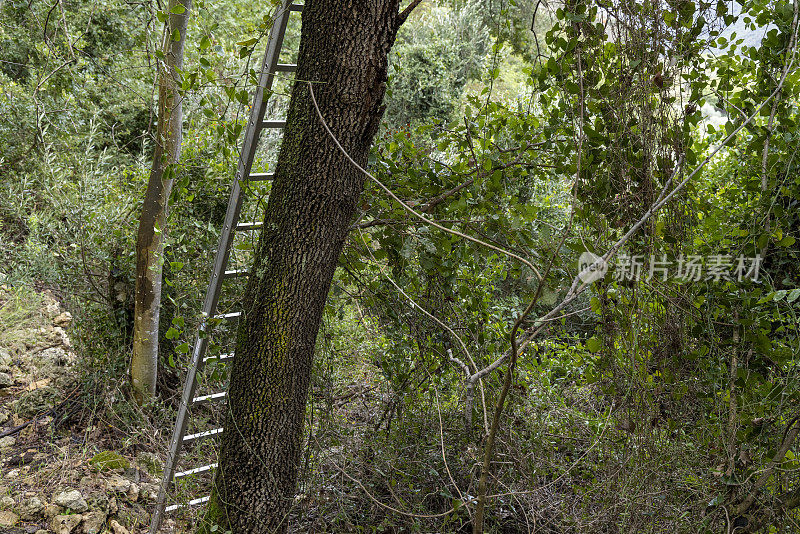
(343, 50)
(152, 223)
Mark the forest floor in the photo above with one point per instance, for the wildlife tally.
(58, 470)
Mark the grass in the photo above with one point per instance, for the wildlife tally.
(21, 315)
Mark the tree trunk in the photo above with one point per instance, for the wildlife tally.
(152, 223)
(343, 49)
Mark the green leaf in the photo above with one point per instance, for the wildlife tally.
(176, 35)
(593, 344)
(787, 241)
(178, 9)
(205, 42)
(183, 348)
(794, 294)
(172, 333)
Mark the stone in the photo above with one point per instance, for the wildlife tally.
(93, 522)
(31, 508)
(7, 502)
(7, 442)
(117, 484)
(113, 505)
(116, 528)
(51, 510)
(133, 493)
(6, 381)
(8, 519)
(62, 319)
(5, 358)
(11, 475)
(3, 418)
(65, 524)
(51, 357)
(71, 499)
(109, 460)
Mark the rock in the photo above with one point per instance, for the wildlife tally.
(3, 417)
(51, 510)
(11, 475)
(62, 319)
(6, 381)
(93, 522)
(5, 359)
(71, 499)
(108, 460)
(37, 401)
(8, 519)
(118, 484)
(116, 528)
(7, 502)
(31, 508)
(113, 505)
(65, 524)
(7, 442)
(133, 493)
(150, 463)
(51, 357)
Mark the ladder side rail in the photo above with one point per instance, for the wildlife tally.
(223, 251)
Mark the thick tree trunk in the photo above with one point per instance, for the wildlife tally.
(152, 223)
(343, 50)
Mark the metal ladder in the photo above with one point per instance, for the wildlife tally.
(220, 274)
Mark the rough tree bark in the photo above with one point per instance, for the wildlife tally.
(343, 50)
(152, 222)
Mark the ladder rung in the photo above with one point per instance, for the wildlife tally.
(296, 7)
(201, 435)
(195, 471)
(232, 315)
(243, 227)
(221, 357)
(261, 176)
(193, 502)
(236, 273)
(212, 397)
(285, 67)
(273, 124)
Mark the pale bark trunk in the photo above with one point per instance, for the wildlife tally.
(344, 49)
(152, 223)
